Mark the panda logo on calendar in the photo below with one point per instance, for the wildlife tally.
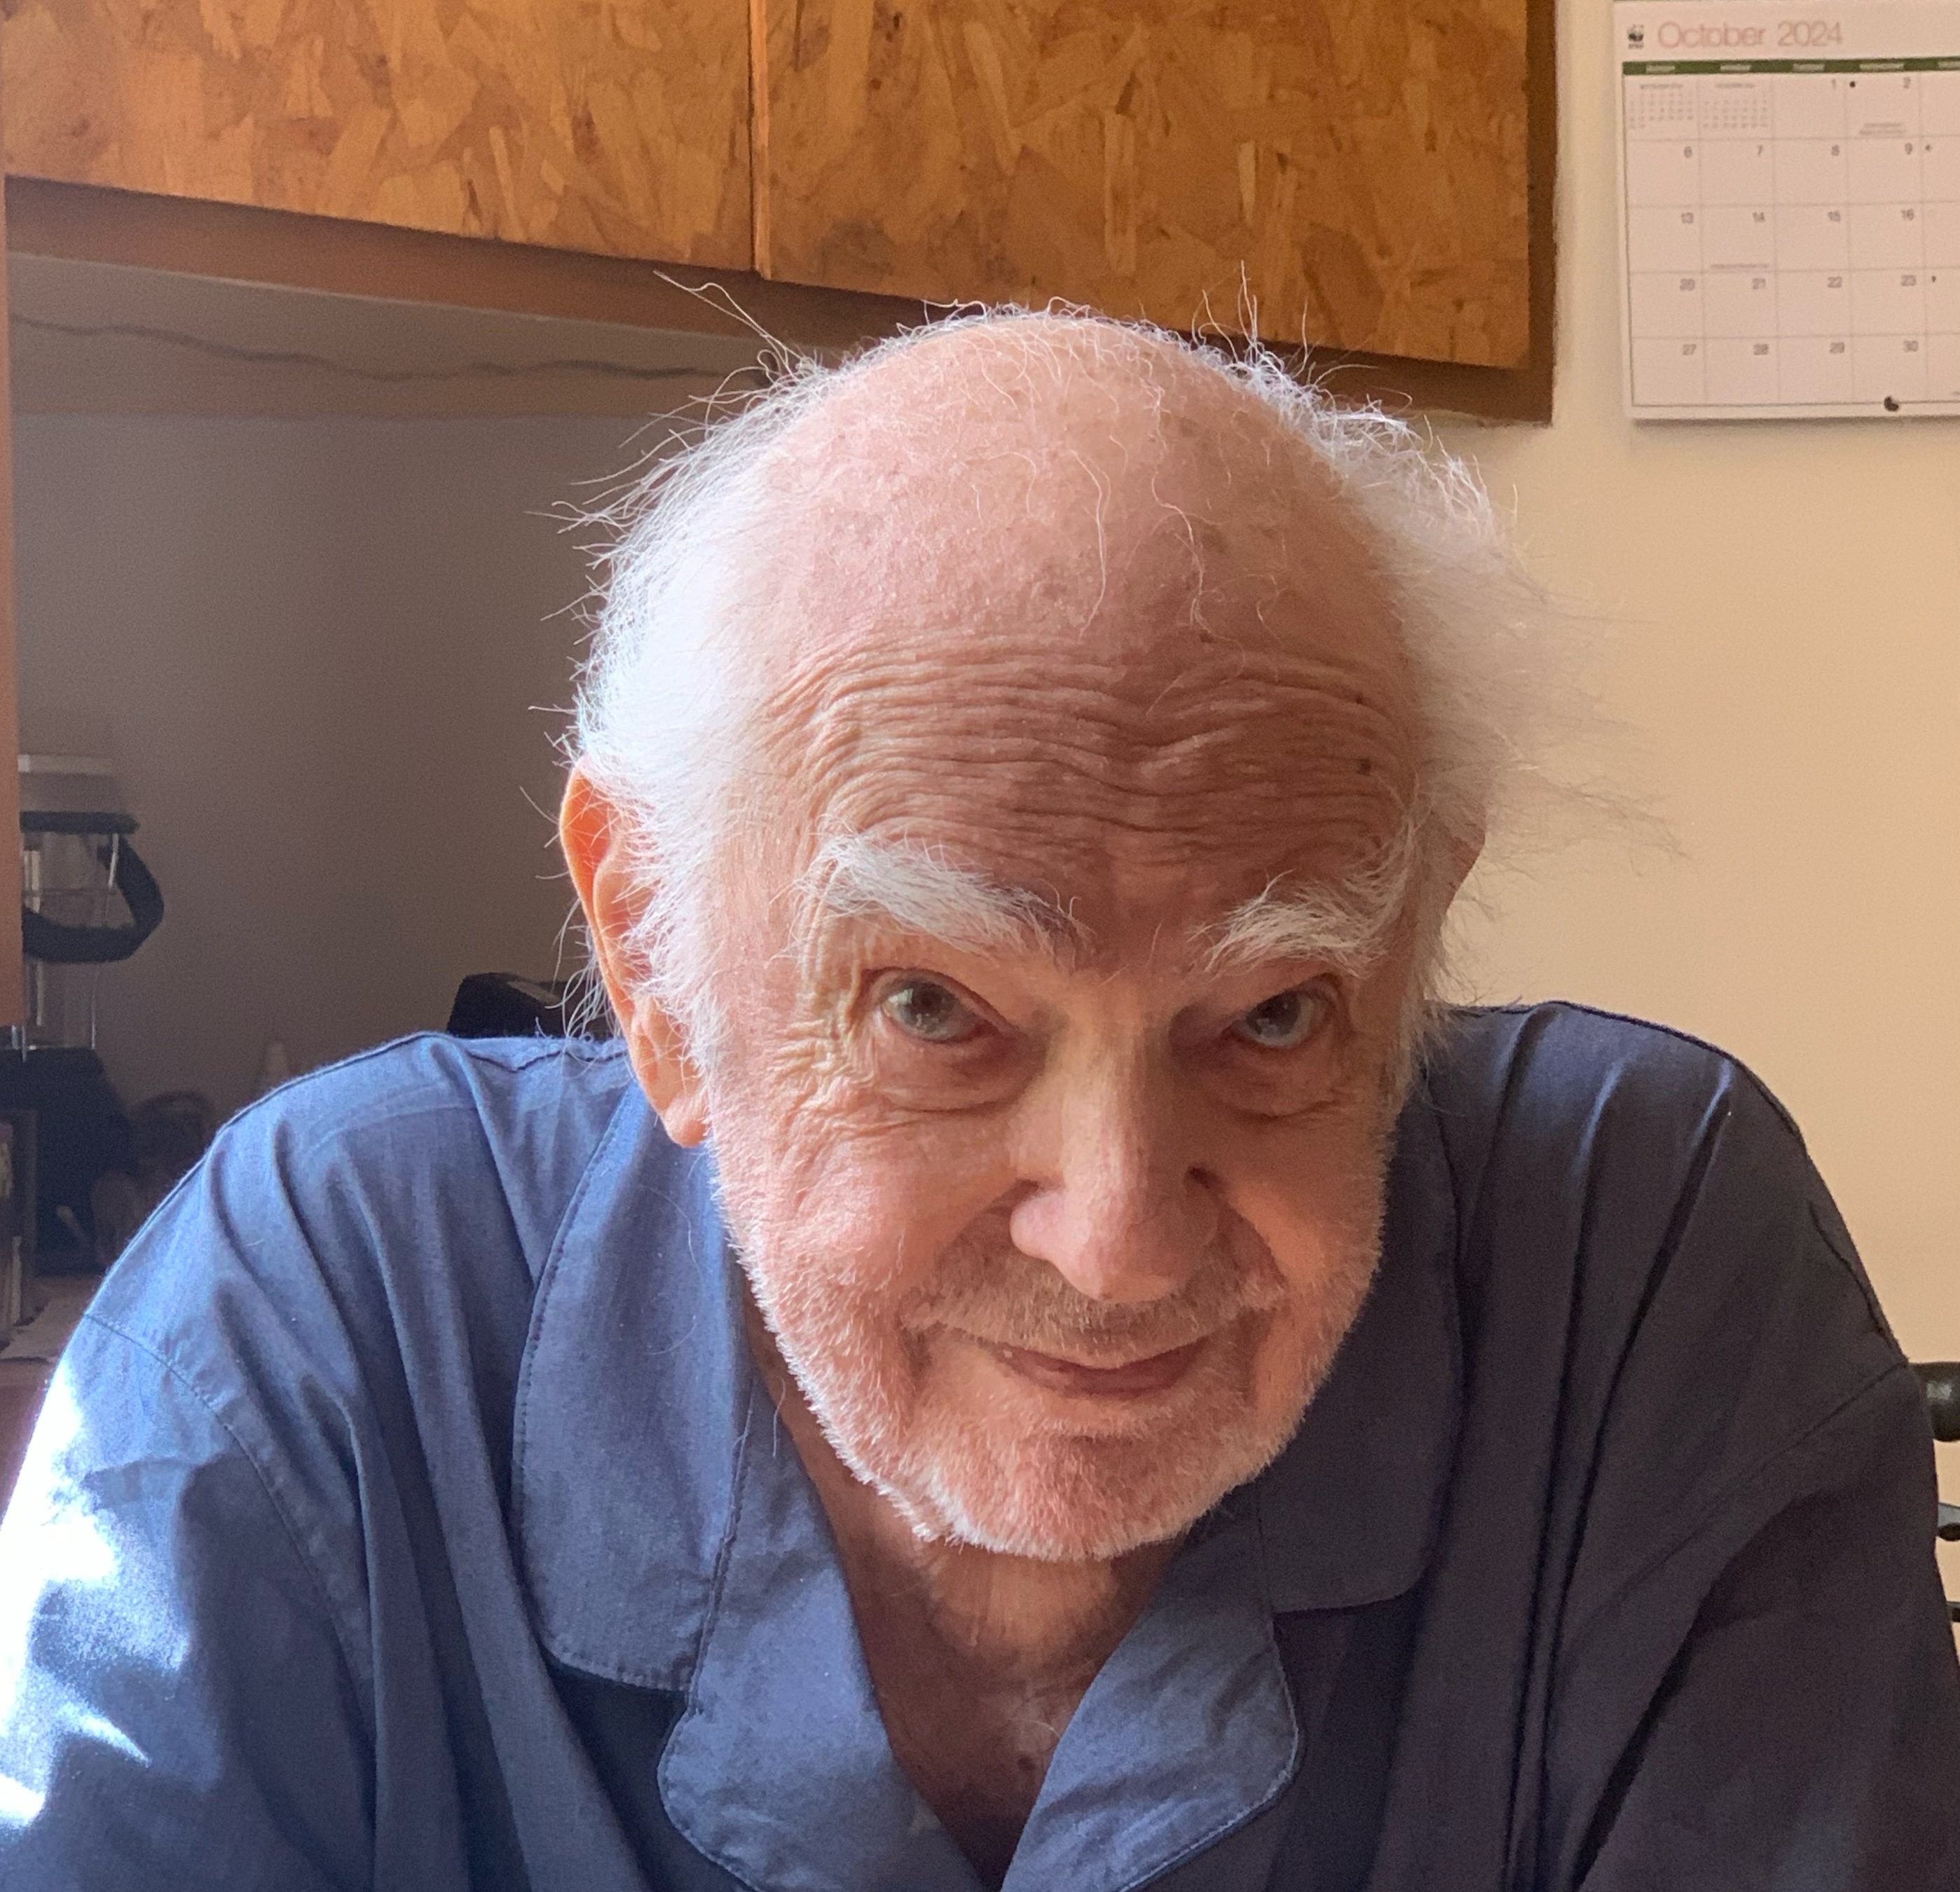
(1636, 35)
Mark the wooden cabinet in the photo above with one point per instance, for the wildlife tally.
(618, 126)
(1359, 175)
(1352, 170)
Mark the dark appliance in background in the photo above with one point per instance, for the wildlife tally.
(87, 901)
(508, 1005)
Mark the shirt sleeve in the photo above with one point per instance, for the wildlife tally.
(1806, 1738)
(1756, 1688)
(175, 1709)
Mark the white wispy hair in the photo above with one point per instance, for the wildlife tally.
(666, 703)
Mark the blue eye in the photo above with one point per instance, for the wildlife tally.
(1283, 1021)
(925, 1010)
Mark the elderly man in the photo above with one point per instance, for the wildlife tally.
(1042, 1357)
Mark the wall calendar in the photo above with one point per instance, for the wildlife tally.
(1789, 207)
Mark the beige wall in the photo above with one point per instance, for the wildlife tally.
(323, 654)
(1785, 653)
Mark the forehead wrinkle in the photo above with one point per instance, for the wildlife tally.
(1021, 704)
(1079, 789)
(1032, 758)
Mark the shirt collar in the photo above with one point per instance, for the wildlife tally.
(670, 1540)
(1350, 1510)
(631, 1401)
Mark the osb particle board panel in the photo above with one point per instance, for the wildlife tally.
(616, 126)
(1358, 165)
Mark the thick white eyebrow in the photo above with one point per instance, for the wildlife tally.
(918, 889)
(1347, 923)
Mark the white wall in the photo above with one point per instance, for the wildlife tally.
(312, 649)
(1786, 658)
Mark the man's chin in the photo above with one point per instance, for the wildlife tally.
(1074, 1496)
(1033, 1455)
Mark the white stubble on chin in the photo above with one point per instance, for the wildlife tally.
(1009, 1472)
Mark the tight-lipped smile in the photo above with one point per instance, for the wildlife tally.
(1131, 1380)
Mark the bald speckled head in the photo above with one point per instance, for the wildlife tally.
(1065, 947)
(1070, 574)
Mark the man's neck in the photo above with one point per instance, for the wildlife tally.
(1017, 1616)
(978, 1658)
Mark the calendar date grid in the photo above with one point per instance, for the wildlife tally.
(1792, 232)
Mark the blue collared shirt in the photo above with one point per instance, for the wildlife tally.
(408, 1515)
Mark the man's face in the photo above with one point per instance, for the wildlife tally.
(1058, 1230)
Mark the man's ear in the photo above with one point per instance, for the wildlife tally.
(593, 834)
(1463, 855)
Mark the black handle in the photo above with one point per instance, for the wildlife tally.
(50, 940)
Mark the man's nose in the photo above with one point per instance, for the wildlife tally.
(1120, 1208)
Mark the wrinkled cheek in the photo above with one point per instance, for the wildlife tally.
(812, 1168)
(844, 1310)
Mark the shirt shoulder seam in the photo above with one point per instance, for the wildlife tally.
(589, 1051)
(1525, 1008)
